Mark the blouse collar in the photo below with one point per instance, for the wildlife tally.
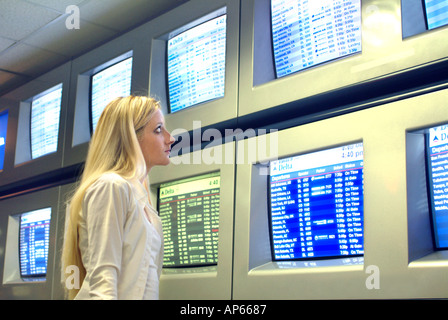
(140, 192)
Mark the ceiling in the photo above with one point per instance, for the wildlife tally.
(34, 37)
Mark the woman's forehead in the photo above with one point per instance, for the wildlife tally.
(157, 117)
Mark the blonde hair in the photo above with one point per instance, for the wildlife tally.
(114, 147)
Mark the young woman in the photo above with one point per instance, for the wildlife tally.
(114, 236)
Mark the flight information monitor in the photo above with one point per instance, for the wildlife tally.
(196, 64)
(316, 204)
(45, 118)
(309, 32)
(189, 210)
(436, 13)
(108, 84)
(437, 161)
(34, 238)
(3, 130)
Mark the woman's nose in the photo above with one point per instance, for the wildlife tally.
(171, 139)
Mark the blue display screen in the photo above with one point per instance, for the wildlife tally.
(436, 13)
(45, 118)
(437, 152)
(34, 240)
(317, 204)
(3, 130)
(310, 32)
(197, 64)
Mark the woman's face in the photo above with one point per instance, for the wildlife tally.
(156, 141)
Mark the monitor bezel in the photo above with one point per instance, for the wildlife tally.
(99, 69)
(425, 14)
(269, 209)
(187, 27)
(430, 190)
(277, 77)
(43, 93)
(39, 276)
(196, 177)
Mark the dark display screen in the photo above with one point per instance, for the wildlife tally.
(189, 210)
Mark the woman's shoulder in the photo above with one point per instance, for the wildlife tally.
(111, 177)
(110, 180)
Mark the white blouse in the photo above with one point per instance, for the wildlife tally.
(121, 241)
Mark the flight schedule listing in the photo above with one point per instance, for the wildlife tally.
(45, 112)
(310, 32)
(196, 64)
(438, 167)
(316, 204)
(189, 210)
(34, 241)
(436, 13)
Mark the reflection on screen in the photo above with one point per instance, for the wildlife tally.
(437, 153)
(3, 130)
(316, 204)
(436, 13)
(45, 114)
(196, 64)
(189, 210)
(109, 84)
(33, 242)
(309, 32)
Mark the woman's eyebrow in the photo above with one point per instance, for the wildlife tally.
(158, 124)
